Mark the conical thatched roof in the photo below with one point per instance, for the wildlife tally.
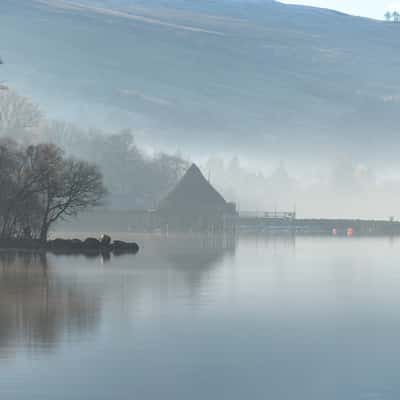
(193, 191)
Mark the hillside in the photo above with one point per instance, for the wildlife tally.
(258, 78)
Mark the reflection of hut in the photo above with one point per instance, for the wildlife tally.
(195, 205)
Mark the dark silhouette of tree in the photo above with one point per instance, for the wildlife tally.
(392, 16)
(39, 186)
(65, 186)
(388, 16)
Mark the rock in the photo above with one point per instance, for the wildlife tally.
(59, 244)
(134, 247)
(91, 243)
(65, 245)
(92, 246)
(76, 244)
(105, 240)
(125, 247)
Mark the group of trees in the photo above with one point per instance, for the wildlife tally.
(42, 178)
(392, 16)
(39, 185)
(135, 178)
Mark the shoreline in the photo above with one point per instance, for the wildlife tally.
(89, 246)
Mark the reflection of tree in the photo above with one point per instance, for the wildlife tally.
(42, 305)
(35, 307)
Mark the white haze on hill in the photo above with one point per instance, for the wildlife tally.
(290, 108)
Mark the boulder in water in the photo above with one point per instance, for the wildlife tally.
(91, 244)
(105, 240)
(125, 247)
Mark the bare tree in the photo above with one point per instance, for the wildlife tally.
(39, 186)
(19, 205)
(66, 186)
(17, 114)
(168, 170)
(388, 16)
(8, 167)
(63, 134)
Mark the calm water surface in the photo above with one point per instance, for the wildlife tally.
(311, 318)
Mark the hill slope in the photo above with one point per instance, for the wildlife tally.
(259, 77)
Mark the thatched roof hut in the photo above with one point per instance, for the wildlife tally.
(194, 195)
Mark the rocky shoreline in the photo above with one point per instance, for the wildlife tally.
(93, 246)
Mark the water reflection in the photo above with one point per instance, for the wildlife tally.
(195, 258)
(36, 307)
(201, 317)
(45, 300)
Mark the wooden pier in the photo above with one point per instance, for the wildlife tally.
(336, 227)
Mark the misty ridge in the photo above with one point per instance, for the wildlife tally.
(139, 179)
(281, 106)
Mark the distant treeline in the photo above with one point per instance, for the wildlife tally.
(133, 178)
(392, 16)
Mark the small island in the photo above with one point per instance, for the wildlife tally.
(88, 246)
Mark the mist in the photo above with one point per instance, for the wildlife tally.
(199, 199)
(343, 188)
(278, 110)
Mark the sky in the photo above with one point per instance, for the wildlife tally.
(367, 8)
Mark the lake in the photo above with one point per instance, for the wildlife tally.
(204, 318)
